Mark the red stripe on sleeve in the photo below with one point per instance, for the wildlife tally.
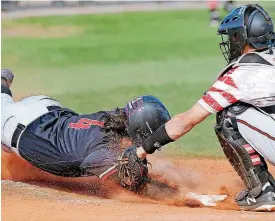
(228, 80)
(212, 102)
(229, 97)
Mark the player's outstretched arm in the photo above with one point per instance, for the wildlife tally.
(173, 129)
(184, 122)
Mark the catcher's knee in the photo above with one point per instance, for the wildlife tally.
(249, 165)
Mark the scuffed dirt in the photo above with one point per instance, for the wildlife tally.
(32, 194)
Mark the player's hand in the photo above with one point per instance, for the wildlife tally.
(132, 171)
(141, 153)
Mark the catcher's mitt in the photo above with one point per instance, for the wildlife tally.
(132, 171)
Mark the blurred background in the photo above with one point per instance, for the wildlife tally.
(97, 55)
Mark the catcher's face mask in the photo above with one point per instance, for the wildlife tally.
(233, 35)
(247, 25)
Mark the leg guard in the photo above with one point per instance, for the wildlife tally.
(237, 150)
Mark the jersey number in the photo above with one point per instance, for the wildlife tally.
(85, 123)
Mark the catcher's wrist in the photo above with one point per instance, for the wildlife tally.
(157, 140)
(141, 154)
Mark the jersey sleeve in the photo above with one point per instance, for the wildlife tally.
(99, 162)
(223, 93)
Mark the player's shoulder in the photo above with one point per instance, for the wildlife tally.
(250, 60)
(255, 58)
(228, 68)
(99, 116)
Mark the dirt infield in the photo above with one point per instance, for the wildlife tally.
(42, 196)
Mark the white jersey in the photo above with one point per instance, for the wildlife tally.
(252, 83)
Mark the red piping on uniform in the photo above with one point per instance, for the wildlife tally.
(256, 129)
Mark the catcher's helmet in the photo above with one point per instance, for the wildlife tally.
(249, 24)
(145, 114)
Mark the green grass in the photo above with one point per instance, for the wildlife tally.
(172, 55)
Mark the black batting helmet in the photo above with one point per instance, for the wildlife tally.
(145, 114)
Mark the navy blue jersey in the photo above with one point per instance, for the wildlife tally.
(67, 144)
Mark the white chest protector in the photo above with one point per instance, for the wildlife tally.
(254, 75)
(252, 59)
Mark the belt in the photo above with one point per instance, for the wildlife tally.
(269, 109)
(18, 131)
(20, 128)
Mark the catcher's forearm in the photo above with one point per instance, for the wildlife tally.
(141, 153)
(178, 126)
(156, 140)
(167, 133)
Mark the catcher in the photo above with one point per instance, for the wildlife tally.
(64, 143)
(243, 97)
